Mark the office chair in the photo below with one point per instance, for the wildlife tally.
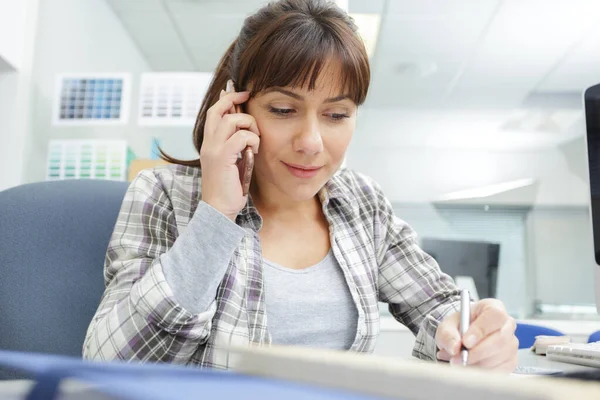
(594, 337)
(526, 334)
(54, 237)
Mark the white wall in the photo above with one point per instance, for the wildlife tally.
(418, 155)
(562, 252)
(559, 266)
(13, 17)
(424, 174)
(15, 86)
(86, 38)
(11, 151)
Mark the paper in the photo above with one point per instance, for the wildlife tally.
(402, 379)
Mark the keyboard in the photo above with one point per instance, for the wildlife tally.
(521, 370)
(587, 354)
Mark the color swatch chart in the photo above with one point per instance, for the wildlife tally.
(90, 100)
(87, 159)
(168, 98)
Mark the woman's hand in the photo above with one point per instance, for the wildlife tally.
(225, 136)
(490, 339)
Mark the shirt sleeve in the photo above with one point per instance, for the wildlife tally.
(419, 294)
(160, 291)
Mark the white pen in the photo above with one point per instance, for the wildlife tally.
(465, 319)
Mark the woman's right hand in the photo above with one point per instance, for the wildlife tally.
(225, 136)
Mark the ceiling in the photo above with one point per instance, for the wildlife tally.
(442, 55)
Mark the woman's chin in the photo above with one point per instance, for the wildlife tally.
(303, 192)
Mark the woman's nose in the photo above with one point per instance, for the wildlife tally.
(309, 140)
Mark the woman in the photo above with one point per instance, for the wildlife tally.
(194, 265)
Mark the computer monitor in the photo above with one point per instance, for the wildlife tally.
(478, 260)
(591, 99)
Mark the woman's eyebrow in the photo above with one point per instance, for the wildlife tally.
(298, 97)
(338, 98)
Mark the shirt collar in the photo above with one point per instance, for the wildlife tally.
(334, 194)
(337, 190)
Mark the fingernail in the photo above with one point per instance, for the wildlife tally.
(469, 341)
(452, 347)
(455, 361)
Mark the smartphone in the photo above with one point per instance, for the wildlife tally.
(246, 161)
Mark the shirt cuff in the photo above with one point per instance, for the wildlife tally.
(425, 346)
(196, 264)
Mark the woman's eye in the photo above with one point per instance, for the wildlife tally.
(286, 112)
(338, 117)
(281, 111)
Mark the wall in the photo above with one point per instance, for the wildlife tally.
(563, 255)
(423, 154)
(11, 143)
(13, 17)
(17, 34)
(559, 266)
(87, 38)
(424, 174)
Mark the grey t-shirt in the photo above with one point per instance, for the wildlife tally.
(310, 307)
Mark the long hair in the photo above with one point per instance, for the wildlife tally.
(286, 44)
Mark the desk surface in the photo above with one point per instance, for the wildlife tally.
(528, 358)
(14, 390)
(70, 390)
(569, 327)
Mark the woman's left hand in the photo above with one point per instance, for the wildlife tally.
(490, 339)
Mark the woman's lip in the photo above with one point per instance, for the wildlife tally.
(302, 167)
(302, 171)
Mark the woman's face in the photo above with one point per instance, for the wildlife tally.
(303, 135)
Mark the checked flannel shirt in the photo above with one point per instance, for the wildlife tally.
(140, 317)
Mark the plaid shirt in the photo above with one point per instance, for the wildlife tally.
(140, 319)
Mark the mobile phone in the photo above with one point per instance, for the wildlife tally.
(246, 161)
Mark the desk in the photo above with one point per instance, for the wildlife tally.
(396, 340)
(71, 390)
(528, 358)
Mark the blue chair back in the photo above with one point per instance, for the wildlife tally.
(54, 240)
(594, 337)
(526, 334)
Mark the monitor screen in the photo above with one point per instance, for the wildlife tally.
(592, 118)
(478, 260)
(591, 99)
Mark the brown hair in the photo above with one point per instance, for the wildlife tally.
(286, 44)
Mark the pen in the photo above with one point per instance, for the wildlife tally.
(465, 318)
